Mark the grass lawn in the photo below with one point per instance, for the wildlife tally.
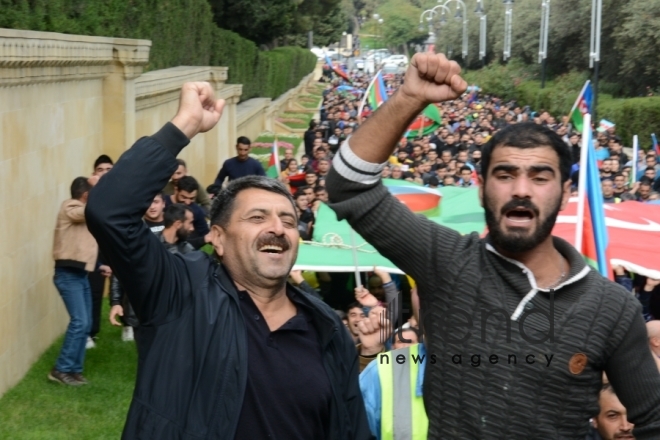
(309, 101)
(38, 409)
(295, 120)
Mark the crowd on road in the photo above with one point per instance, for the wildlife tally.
(450, 156)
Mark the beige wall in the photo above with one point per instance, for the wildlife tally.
(64, 100)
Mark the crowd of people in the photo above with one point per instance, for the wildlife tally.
(450, 156)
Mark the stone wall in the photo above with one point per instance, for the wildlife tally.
(64, 100)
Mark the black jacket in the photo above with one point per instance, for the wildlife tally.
(118, 296)
(192, 367)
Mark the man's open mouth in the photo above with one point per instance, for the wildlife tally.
(520, 215)
(271, 249)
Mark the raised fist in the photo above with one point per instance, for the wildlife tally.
(199, 110)
(432, 78)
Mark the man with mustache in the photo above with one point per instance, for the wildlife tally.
(228, 349)
(519, 290)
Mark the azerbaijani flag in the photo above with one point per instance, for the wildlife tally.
(338, 70)
(656, 147)
(426, 123)
(377, 93)
(591, 237)
(582, 106)
(274, 163)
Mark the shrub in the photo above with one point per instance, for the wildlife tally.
(182, 33)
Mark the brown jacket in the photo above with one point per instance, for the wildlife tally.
(73, 244)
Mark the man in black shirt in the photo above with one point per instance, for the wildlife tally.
(230, 350)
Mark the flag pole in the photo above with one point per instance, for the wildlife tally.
(634, 161)
(358, 280)
(366, 94)
(582, 182)
(276, 154)
(578, 98)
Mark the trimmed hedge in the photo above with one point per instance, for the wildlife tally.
(632, 116)
(182, 33)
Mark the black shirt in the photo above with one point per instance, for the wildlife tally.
(288, 392)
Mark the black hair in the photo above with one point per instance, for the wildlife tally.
(176, 212)
(187, 184)
(79, 187)
(354, 305)
(649, 168)
(288, 162)
(528, 135)
(182, 162)
(319, 188)
(464, 168)
(223, 202)
(243, 140)
(434, 181)
(441, 166)
(312, 124)
(104, 158)
(310, 171)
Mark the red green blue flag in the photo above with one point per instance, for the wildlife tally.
(582, 106)
(274, 163)
(377, 93)
(591, 239)
(656, 147)
(338, 70)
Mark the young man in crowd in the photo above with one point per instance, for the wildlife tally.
(186, 192)
(241, 165)
(75, 252)
(97, 278)
(202, 198)
(516, 267)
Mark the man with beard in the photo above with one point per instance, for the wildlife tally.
(543, 297)
(230, 350)
(611, 423)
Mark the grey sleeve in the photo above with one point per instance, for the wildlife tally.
(382, 220)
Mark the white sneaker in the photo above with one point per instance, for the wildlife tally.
(90, 343)
(127, 334)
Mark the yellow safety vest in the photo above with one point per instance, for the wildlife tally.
(403, 416)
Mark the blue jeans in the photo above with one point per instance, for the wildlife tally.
(73, 286)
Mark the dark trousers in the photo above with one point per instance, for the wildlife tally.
(97, 285)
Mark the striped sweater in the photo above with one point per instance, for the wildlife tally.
(513, 361)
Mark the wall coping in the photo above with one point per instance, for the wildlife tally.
(33, 57)
(161, 86)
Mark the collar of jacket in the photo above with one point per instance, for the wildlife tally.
(523, 279)
(323, 321)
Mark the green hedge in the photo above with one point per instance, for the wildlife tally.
(632, 116)
(182, 33)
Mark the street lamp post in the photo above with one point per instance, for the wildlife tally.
(459, 17)
(543, 41)
(594, 53)
(508, 22)
(482, 32)
(430, 13)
